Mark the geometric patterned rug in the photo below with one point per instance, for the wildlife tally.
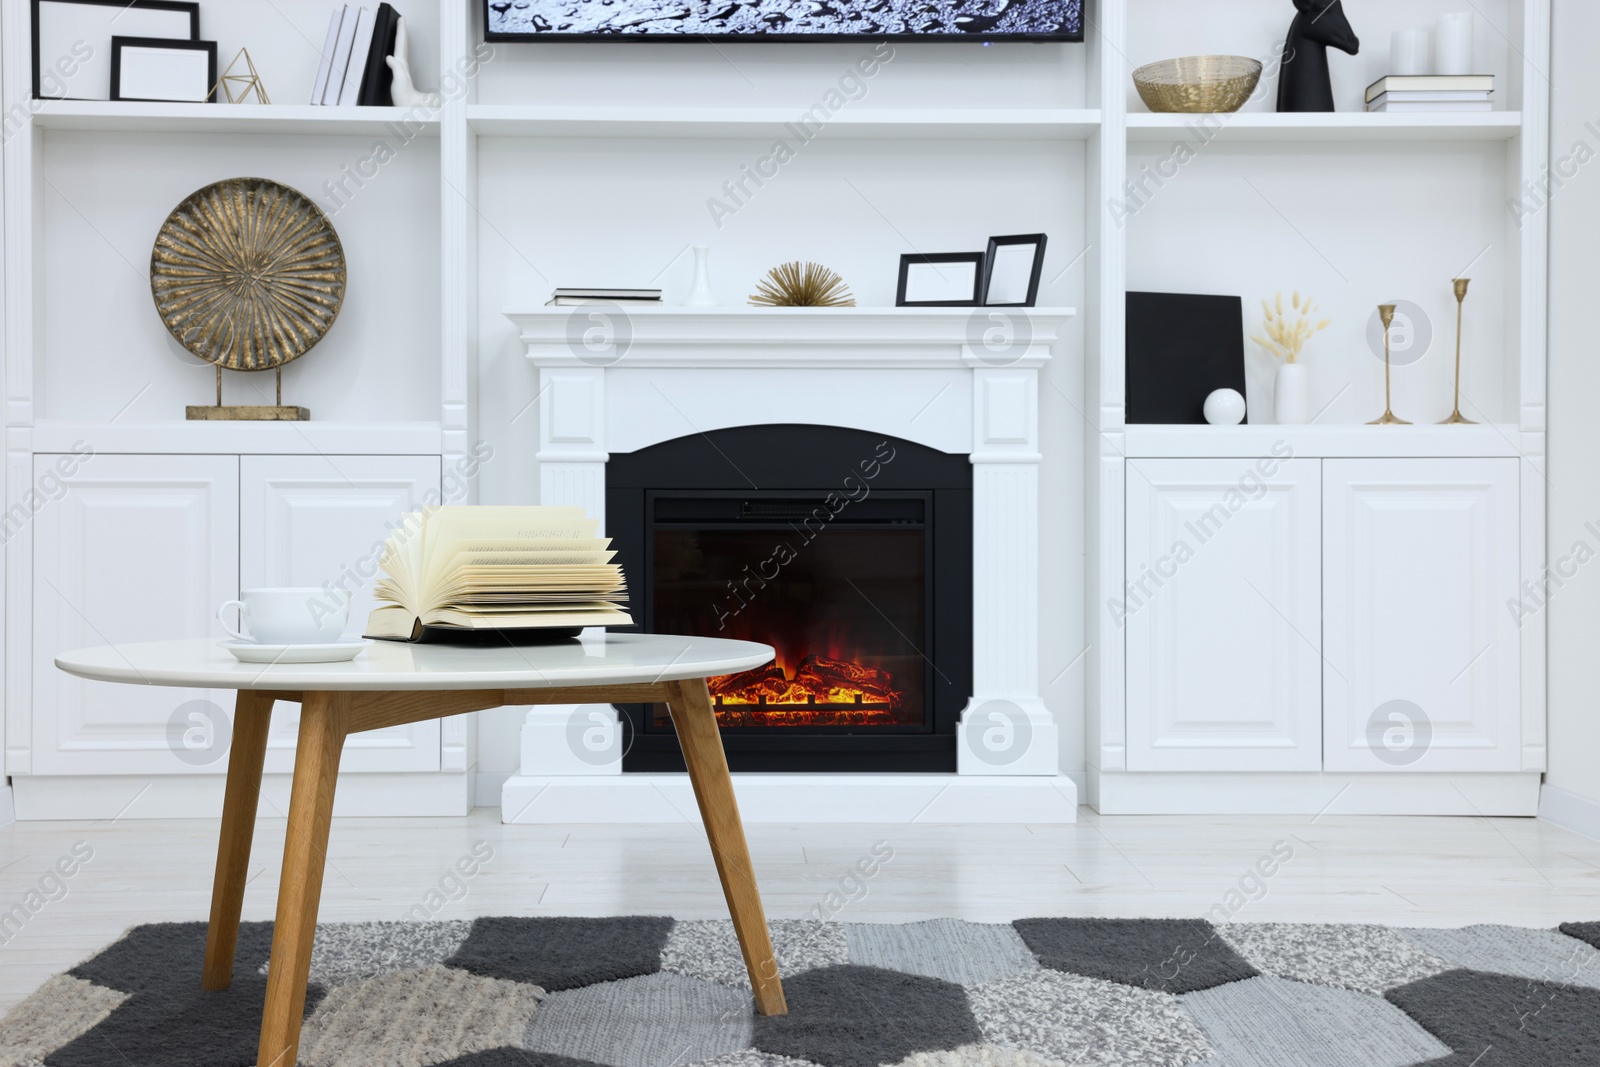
(654, 992)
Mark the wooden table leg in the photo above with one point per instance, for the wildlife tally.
(252, 717)
(696, 724)
(324, 721)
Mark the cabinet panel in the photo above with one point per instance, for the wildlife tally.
(321, 521)
(136, 548)
(1223, 615)
(1421, 560)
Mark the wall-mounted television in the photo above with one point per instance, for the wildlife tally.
(783, 20)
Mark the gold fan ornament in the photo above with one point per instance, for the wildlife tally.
(802, 285)
(248, 274)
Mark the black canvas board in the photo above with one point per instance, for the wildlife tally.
(1180, 348)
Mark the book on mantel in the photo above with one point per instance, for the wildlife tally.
(621, 297)
(509, 574)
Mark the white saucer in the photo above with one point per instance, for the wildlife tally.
(336, 652)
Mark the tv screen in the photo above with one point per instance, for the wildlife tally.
(783, 20)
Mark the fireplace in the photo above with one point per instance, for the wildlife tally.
(640, 413)
(849, 552)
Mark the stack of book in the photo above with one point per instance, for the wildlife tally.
(573, 297)
(353, 70)
(1436, 92)
(504, 573)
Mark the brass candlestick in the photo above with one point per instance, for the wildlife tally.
(1456, 418)
(1386, 312)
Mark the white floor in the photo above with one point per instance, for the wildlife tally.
(1406, 871)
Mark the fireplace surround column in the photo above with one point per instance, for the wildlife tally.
(1006, 728)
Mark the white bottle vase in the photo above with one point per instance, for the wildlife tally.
(700, 295)
(1290, 397)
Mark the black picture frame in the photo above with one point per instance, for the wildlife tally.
(1038, 240)
(165, 44)
(918, 259)
(1071, 36)
(189, 7)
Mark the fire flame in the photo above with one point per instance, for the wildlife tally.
(822, 691)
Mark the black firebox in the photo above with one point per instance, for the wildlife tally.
(848, 552)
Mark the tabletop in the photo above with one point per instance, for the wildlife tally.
(608, 659)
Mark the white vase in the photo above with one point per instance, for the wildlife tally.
(1291, 402)
(700, 294)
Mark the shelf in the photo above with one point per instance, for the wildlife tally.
(1047, 124)
(246, 438)
(1376, 442)
(1333, 126)
(811, 338)
(116, 116)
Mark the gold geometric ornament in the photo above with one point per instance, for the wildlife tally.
(247, 274)
(238, 87)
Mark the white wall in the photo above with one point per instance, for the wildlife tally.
(1574, 470)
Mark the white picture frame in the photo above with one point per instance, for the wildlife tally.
(155, 69)
(1012, 268)
(940, 279)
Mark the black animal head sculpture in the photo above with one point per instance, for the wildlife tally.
(1303, 80)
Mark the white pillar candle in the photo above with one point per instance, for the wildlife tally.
(1452, 44)
(1411, 52)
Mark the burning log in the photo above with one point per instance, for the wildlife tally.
(768, 681)
(818, 680)
(837, 681)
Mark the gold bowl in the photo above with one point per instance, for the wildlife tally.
(1198, 83)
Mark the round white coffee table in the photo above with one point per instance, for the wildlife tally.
(391, 684)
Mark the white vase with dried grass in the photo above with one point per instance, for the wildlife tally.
(1285, 339)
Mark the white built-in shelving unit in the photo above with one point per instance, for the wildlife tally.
(597, 163)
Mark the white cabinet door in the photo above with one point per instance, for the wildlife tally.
(320, 521)
(137, 548)
(1422, 653)
(1223, 615)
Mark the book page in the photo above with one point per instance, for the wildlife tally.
(447, 527)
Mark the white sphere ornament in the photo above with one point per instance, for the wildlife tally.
(1225, 407)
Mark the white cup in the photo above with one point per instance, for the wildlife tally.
(307, 616)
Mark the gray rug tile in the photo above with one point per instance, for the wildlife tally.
(351, 952)
(651, 1021)
(1273, 1022)
(978, 1056)
(512, 1056)
(1074, 1019)
(752, 1058)
(1371, 959)
(956, 951)
(1496, 1020)
(562, 953)
(708, 949)
(1169, 955)
(61, 1010)
(1543, 955)
(416, 1018)
(853, 1016)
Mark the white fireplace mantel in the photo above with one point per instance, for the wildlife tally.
(961, 380)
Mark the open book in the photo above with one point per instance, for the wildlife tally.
(496, 569)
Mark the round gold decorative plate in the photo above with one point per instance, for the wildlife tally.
(248, 274)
